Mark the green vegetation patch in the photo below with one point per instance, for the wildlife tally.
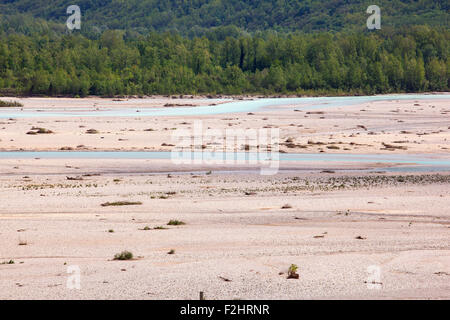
(176, 223)
(124, 255)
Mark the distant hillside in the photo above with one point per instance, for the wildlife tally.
(250, 46)
(194, 17)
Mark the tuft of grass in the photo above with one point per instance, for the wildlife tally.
(286, 206)
(172, 251)
(11, 104)
(121, 203)
(160, 228)
(8, 262)
(175, 223)
(124, 255)
(23, 243)
(292, 272)
(293, 268)
(111, 231)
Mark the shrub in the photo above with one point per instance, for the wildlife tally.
(175, 223)
(292, 272)
(124, 255)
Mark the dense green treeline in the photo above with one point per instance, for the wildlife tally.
(195, 17)
(404, 60)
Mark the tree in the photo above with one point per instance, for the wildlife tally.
(437, 75)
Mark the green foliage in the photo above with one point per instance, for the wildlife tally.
(293, 269)
(175, 223)
(292, 272)
(220, 17)
(412, 59)
(124, 255)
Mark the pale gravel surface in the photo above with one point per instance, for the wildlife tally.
(418, 126)
(247, 239)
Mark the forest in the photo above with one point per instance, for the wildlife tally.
(412, 59)
(271, 47)
(197, 17)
